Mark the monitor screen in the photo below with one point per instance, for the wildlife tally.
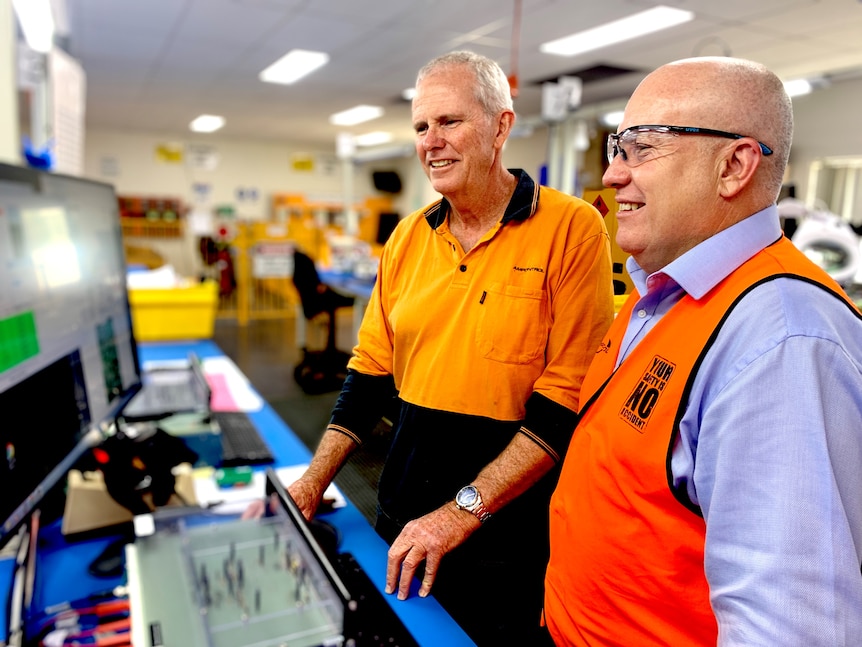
(68, 360)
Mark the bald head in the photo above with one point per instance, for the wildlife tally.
(728, 94)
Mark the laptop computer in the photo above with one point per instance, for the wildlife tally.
(180, 400)
(170, 390)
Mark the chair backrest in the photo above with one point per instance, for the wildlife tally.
(307, 281)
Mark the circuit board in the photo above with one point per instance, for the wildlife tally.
(233, 584)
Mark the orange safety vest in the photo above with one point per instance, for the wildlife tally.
(627, 553)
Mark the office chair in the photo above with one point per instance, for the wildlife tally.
(319, 371)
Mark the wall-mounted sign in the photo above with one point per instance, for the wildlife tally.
(169, 153)
(204, 157)
(272, 260)
(302, 162)
(247, 194)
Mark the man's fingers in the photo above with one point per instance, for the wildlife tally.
(404, 559)
(255, 510)
(431, 565)
(411, 562)
(427, 540)
(397, 551)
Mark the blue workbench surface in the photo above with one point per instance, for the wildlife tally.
(62, 565)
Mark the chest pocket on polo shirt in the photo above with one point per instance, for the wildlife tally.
(513, 325)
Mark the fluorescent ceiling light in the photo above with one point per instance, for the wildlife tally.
(207, 123)
(798, 87)
(613, 118)
(373, 139)
(356, 115)
(408, 94)
(634, 26)
(294, 65)
(37, 23)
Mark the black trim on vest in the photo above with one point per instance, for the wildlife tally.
(680, 493)
(593, 398)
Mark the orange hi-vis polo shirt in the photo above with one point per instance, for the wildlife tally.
(477, 333)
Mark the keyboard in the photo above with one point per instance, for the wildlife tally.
(157, 400)
(374, 623)
(241, 442)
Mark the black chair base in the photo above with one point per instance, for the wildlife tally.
(321, 371)
(325, 370)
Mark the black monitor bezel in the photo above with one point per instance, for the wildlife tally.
(274, 486)
(97, 430)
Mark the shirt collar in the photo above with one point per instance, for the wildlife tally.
(704, 266)
(524, 202)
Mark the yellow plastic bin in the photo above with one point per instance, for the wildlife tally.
(160, 314)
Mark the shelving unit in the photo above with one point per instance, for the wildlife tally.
(134, 227)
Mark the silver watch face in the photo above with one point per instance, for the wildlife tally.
(467, 496)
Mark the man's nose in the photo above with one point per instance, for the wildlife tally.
(432, 138)
(617, 173)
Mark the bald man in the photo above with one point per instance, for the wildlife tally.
(712, 490)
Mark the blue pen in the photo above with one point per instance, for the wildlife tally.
(88, 601)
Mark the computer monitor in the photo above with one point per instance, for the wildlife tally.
(68, 359)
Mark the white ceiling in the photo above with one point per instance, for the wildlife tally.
(153, 65)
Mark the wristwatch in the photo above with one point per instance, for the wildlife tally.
(469, 499)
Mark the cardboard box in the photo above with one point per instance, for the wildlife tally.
(89, 507)
(160, 314)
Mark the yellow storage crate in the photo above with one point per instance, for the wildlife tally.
(160, 314)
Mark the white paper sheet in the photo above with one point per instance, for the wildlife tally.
(235, 500)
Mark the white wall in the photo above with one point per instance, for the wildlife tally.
(826, 125)
(246, 175)
(132, 164)
(528, 153)
(10, 142)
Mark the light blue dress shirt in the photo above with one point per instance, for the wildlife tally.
(771, 446)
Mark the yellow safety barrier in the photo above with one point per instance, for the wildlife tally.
(262, 254)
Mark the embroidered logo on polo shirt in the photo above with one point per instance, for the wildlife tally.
(641, 402)
(528, 269)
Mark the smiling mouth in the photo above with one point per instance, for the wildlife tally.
(440, 163)
(630, 206)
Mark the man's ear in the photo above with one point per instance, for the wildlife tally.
(738, 166)
(504, 126)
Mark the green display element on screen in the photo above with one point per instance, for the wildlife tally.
(18, 340)
(233, 476)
